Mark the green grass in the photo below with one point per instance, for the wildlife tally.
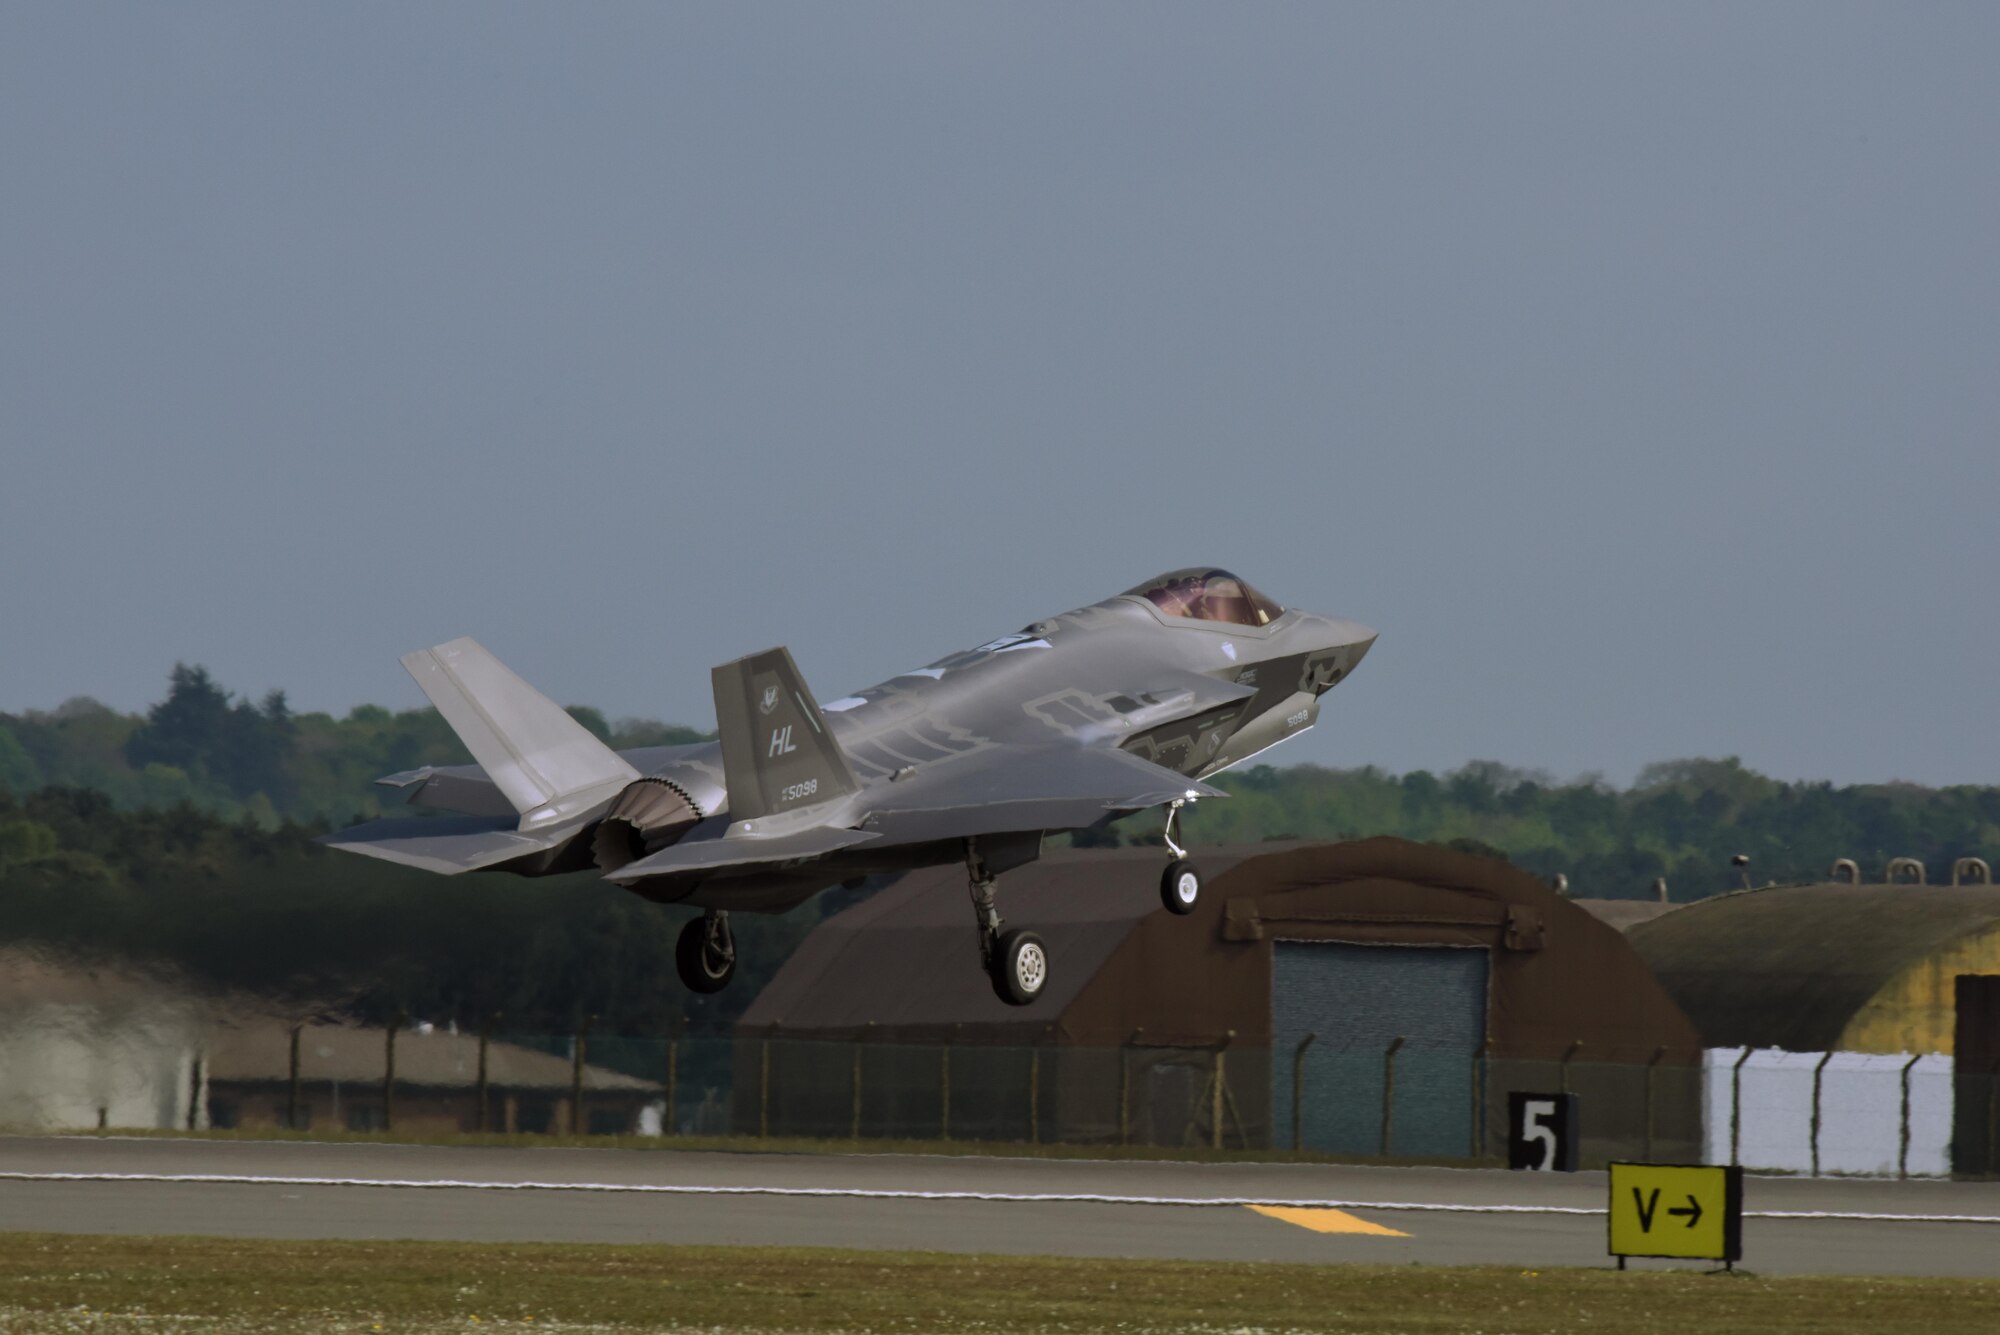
(65, 1283)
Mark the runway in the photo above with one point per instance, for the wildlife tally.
(1232, 1212)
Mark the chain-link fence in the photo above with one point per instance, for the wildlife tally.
(1807, 1113)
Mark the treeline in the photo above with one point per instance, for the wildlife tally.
(183, 838)
(269, 918)
(257, 761)
(242, 759)
(1682, 819)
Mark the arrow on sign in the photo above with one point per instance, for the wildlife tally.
(1692, 1210)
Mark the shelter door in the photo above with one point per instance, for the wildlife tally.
(1358, 1090)
(1975, 1113)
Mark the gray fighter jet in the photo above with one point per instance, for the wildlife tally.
(1067, 724)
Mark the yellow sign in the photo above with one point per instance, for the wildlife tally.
(1676, 1210)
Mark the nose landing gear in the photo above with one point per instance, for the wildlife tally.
(1180, 885)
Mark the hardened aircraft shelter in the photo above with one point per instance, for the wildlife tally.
(1373, 997)
(1899, 971)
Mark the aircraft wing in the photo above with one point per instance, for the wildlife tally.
(1027, 788)
(711, 854)
(1023, 788)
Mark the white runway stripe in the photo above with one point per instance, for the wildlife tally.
(871, 1193)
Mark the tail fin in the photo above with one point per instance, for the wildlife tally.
(545, 762)
(777, 754)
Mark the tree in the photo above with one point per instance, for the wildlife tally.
(240, 748)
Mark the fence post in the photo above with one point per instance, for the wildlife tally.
(1736, 1107)
(1481, 1062)
(1652, 1099)
(1216, 1095)
(480, 1095)
(1299, 1092)
(1034, 1093)
(194, 1090)
(389, 1073)
(1125, 1086)
(1389, 1091)
(670, 1122)
(944, 1085)
(292, 1096)
(854, 1083)
(1825, 1057)
(764, 1082)
(1575, 1046)
(579, 1052)
(1903, 1150)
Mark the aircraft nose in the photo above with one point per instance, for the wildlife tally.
(1356, 637)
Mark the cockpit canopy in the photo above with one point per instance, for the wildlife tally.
(1204, 594)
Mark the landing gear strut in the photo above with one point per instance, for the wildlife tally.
(706, 952)
(1017, 962)
(1180, 886)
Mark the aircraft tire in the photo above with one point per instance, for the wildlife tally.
(1020, 967)
(699, 970)
(1180, 887)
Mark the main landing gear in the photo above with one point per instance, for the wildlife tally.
(1180, 886)
(1016, 962)
(706, 952)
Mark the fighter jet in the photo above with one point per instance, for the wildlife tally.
(1067, 724)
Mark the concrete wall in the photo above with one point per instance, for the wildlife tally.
(1768, 1104)
(78, 1066)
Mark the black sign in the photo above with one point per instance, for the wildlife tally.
(1542, 1133)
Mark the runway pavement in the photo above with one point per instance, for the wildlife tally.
(91, 1184)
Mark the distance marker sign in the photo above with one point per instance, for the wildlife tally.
(1673, 1210)
(1542, 1132)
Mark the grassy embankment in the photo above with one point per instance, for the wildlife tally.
(56, 1283)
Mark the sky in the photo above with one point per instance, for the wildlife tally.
(1634, 370)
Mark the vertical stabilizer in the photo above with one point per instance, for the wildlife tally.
(777, 754)
(545, 762)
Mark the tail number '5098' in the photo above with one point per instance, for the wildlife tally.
(792, 792)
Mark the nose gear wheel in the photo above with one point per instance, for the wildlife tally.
(1180, 887)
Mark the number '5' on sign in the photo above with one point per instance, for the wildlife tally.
(1542, 1133)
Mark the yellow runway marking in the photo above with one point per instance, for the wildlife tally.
(1327, 1221)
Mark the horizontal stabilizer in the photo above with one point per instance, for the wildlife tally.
(461, 788)
(445, 844)
(711, 854)
(546, 764)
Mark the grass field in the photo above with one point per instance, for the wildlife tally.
(65, 1283)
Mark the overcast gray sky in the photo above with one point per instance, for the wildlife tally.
(1635, 370)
